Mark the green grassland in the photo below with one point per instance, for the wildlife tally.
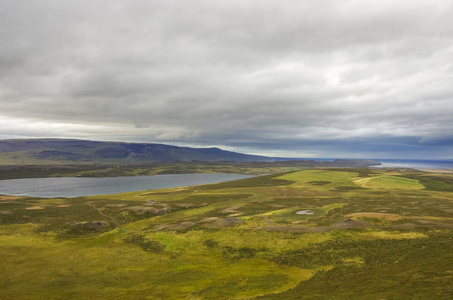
(363, 234)
(57, 168)
(113, 170)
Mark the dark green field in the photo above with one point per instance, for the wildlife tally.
(306, 234)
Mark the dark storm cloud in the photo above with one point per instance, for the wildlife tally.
(316, 78)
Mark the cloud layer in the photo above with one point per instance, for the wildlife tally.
(299, 78)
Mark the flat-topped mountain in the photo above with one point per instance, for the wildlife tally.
(39, 151)
(69, 152)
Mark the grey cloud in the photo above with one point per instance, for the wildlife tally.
(245, 74)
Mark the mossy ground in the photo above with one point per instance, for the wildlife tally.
(372, 235)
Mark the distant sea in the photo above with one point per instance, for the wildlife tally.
(415, 164)
(398, 163)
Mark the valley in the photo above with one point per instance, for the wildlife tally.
(294, 234)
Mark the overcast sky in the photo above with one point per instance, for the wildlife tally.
(317, 78)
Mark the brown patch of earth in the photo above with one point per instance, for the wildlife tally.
(185, 205)
(161, 226)
(8, 198)
(426, 222)
(293, 228)
(5, 212)
(116, 205)
(299, 222)
(230, 210)
(235, 215)
(34, 207)
(63, 205)
(179, 226)
(226, 222)
(140, 210)
(278, 205)
(386, 216)
(210, 219)
(349, 223)
(97, 225)
(155, 203)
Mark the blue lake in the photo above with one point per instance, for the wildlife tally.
(87, 186)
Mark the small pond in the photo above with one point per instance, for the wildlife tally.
(304, 212)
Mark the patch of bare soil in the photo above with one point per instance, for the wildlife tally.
(293, 228)
(350, 223)
(116, 205)
(179, 226)
(97, 225)
(230, 210)
(299, 222)
(236, 215)
(140, 210)
(34, 207)
(8, 198)
(189, 205)
(226, 222)
(5, 212)
(185, 205)
(210, 219)
(386, 216)
(63, 205)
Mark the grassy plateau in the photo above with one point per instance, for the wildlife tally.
(297, 234)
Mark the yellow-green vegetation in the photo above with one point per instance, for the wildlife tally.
(392, 182)
(108, 268)
(25, 165)
(320, 177)
(309, 234)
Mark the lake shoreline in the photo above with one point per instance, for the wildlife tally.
(68, 187)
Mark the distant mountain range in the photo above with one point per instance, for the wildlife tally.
(64, 151)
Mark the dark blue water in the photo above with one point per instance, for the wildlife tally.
(415, 164)
(87, 186)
